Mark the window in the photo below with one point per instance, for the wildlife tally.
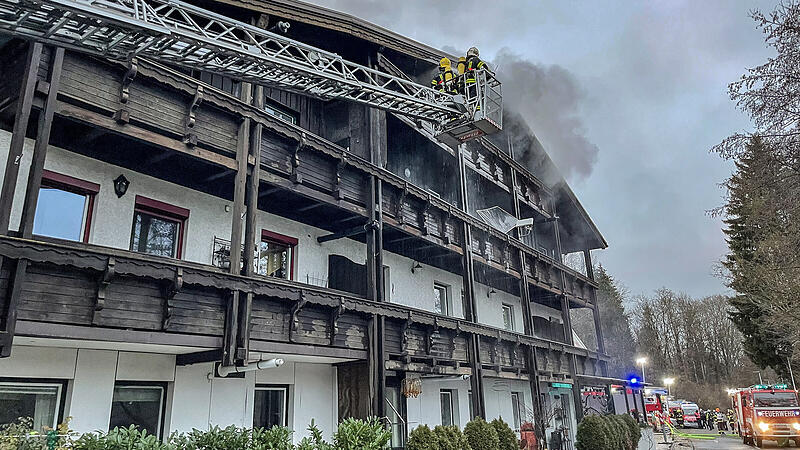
(442, 303)
(138, 404)
(281, 112)
(516, 408)
(270, 406)
(158, 228)
(64, 208)
(508, 317)
(775, 399)
(276, 255)
(41, 401)
(449, 402)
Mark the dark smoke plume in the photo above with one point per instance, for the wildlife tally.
(542, 105)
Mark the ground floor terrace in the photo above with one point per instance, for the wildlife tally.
(161, 388)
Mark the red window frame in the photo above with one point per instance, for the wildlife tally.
(289, 241)
(166, 211)
(74, 185)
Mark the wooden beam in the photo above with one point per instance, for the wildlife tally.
(79, 114)
(24, 104)
(250, 222)
(13, 294)
(204, 356)
(40, 146)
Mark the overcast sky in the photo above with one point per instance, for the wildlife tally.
(643, 89)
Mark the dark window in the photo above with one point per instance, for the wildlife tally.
(270, 406)
(508, 317)
(276, 255)
(516, 408)
(41, 401)
(158, 228)
(449, 402)
(64, 208)
(442, 304)
(138, 404)
(281, 112)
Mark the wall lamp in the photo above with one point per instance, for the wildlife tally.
(121, 185)
(416, 266)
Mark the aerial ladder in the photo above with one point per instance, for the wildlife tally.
(179, 34)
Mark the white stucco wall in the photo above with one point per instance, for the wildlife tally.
(193, 400)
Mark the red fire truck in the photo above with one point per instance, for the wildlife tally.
(767, 412)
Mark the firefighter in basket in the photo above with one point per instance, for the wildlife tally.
(445, 81)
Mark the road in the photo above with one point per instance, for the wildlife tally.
(725, 442)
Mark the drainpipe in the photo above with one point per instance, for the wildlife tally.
(224, 371)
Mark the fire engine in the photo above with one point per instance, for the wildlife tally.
(767, 412)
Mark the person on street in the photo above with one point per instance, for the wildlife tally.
(445, 81)
(731, 420)
(701, 420)
(720, 421)
(710, 419)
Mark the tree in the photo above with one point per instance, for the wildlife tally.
(615, 323)
(770, 93)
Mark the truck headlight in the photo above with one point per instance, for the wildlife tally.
(763, 425)
(796, 426)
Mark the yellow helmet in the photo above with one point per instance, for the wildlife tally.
(445, 63)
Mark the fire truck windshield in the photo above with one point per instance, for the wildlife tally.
(775, 399)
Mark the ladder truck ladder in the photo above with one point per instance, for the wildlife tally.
(180, 34)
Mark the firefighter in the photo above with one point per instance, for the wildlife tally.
(445, 80)
(701, 420)
(472, 63)
(710, 419)
(720, 421)
(731, 420)
(461, 66)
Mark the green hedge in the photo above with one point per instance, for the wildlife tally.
(620, 432)
(352, 434)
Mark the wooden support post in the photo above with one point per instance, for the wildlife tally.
(40, 147)
(470, 301)
(24, 103)
(230, 353)
(376, 121)
(34, 179)
(250, 231)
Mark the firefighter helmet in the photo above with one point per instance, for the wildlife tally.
(444, 64)
(473, 51)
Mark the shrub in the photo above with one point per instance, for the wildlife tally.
(215, 438)
(315, 441)
(593, 434)
(121, 439)
(422, 438)
(275, 438)
(481, 436)
(450, 438)
(356, 434)
(619, 432)
(634, 431)
(506, 436)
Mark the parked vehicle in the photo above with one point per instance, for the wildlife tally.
(691, 414)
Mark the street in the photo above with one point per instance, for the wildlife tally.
(726, 442)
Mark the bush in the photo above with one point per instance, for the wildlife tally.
(275, 438)
(634, 431)
(422, 438)
(506, 436)
(356, 434)
(619, 432)
(481, 436)
(315, 441)
(44, 439)
(450, 438)
(121, 439)
(593, 434)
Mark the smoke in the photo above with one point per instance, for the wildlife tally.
(546, 99)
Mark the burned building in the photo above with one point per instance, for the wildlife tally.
(183, 248)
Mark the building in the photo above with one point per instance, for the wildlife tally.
(365, 266)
